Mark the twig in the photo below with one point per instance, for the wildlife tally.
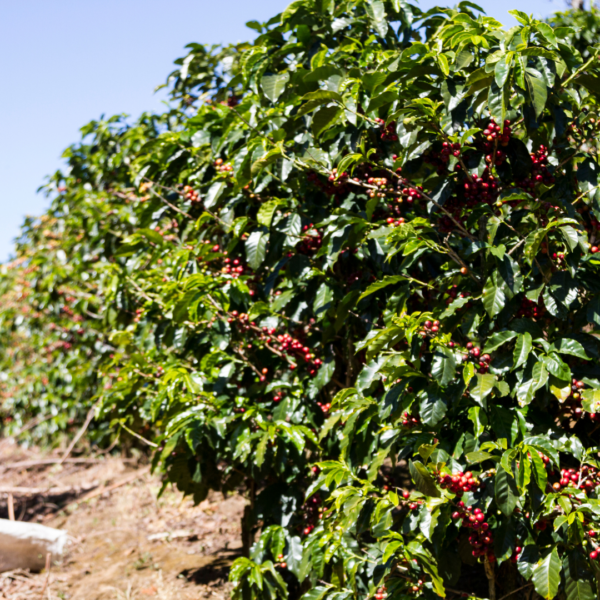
(460, 261)
(11, 507)
(584, 194)
(170, 189)
(27, 464)
(517, 590)
(141, 291)
(112, 445)
(48, 564)
(80, 433)
(457, 592)
(114, 486)
(181, 212)
(55, 491)
(516, 246)
(121, 195)
(247, 361)
(138, 436)
(436, 204)
(262, 135)
(17, 575)
(580, 70)
(489, 572)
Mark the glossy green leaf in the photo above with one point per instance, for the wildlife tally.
(423, 480)
(494, 298)
(443, 367)
(256, 249)
(522, 349)
(505, 492)
(274, 85)
(546, 575)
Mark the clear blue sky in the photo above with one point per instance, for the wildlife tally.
(65, 62)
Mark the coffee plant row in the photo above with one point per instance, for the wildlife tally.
(351, 273)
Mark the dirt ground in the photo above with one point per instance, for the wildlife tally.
(124, 543)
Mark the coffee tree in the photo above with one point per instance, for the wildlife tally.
(350, 274)
(584, 25)
(53, 319)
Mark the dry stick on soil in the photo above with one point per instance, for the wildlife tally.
(114, 486)
(28, 464)
(83, 429)
(55, 491)
(11, 507)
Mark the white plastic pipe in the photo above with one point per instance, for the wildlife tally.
(24, 545)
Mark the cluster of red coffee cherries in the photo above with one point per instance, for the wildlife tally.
(430, 328)
(438, 161)
(242, 318)
(409, 421)
(476, 190)
(529, 308)
(481, 539)
(388, 133)
(595, 553)
(336, 186)
(459, 483)
(190, 194)
(311, 241)
(381, 187)
(283, 342)
(395, 222)
(381, 593)
(338, 177)
(224, 168)
(235, 268)
(539, 171)
(481, 360)
(480, 189)
(278, 397)
(409, 194)
(312, 512)
(325, 407)
(281, 561)
(294, 348)
(587, 478)
(493, 135)
(568, 478)
(453, 293)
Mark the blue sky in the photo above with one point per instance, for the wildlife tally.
(66, 62)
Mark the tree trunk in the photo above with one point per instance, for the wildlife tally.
(491, 576)
(248, 522)
(577, 4)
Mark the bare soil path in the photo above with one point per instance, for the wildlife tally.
(125, 543)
